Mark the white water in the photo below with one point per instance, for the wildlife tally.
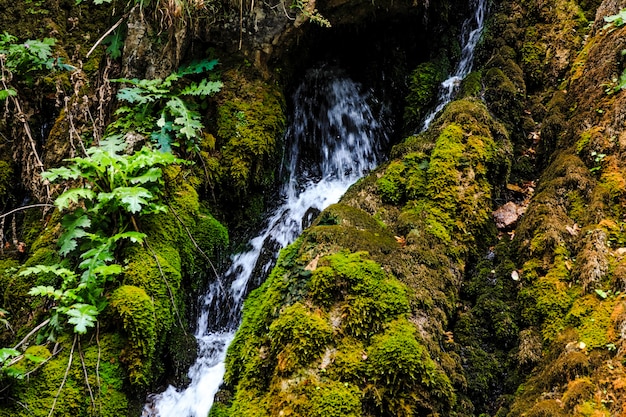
(470, 35)
(335, 138)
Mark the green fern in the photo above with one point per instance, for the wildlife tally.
(165, 110)
(115, 187)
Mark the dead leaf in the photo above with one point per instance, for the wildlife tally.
(312, 266)
(401, 240)
(515, 188)
(573, 230)
(568, 264)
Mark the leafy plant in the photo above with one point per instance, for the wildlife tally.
(8, 356)
(306, 8)
(615, 21)
(597, 158)
(25, 59)
(114, 188)
(167, 104)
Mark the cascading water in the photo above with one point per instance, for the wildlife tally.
(335, 137)
(470, 35)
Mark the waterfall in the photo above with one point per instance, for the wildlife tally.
(334, 137)
(470, 35)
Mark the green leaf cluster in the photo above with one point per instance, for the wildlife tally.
(7, 357)
(25, 59)
(615, 21)
(31, 55)
(112, 188)
(171, 105)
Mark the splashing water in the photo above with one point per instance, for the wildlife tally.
(470, 35)
(335, 137)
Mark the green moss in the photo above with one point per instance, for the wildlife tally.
(15, 293)
(392, 185)
(502, 96)
(577, 206)
(105, 375)
(591, 316)
(250, 122)
(592, 409)
(442, 172)
(335, 399)
(249, 404)
(349, 361)
(423, 86)
(406, 378)
(247, 361)
(6, 178)
(583, 141)
(298, 336)
(546, 408)
(280, 353)
(579, 390)
(532, 57)
(367, 299)
(472, 85)
(548, 299)
(136, 311)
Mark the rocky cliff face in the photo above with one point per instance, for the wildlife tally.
(409, 297)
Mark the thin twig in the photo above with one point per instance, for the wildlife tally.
(167, 284)
(82, 362)
(67, 371)
(22, 404)
(240, 23)
(194, 241)
(2, 234)
(14, 230)
(208, 180)
(98, 365)
(35, 330)
(22, 118)
(25, 208)
(27, 374)
(282, 3)
(108, 32)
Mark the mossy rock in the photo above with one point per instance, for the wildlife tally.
(103, 395)
(137, 314)
(405, 376)
(424, 83)
(242, 163)
(298, 336)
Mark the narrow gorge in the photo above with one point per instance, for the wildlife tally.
(317, 208)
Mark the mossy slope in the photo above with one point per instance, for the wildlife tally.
(143, 332)
(364, 297)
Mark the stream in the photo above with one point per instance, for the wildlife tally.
(470, 35)
(334, 137)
